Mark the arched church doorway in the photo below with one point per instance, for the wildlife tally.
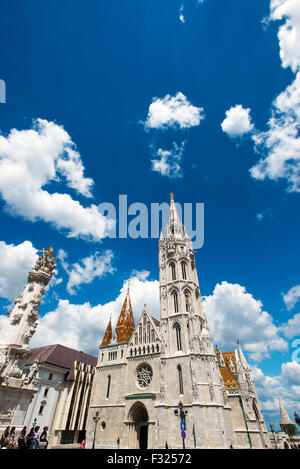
(138, 417)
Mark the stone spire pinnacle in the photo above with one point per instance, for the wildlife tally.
(241, 356)
(284, 416)
(22, 320)
(125, 325)
(174, 229)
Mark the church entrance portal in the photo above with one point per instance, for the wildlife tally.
(138, 416)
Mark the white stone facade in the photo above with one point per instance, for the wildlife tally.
(139, 384)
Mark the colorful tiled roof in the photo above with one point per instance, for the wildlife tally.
(107, 336)
(125, 325)
(227, 372)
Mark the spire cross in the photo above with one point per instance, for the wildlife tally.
(46, 253)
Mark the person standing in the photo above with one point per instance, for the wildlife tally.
(82, 446)
(22, 439)
(4, 438)
(12, 439)
(36, 438)
(43, 437)
(29, 439)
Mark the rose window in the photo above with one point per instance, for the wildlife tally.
(144, 376)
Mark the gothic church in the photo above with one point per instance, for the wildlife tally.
(157, 378)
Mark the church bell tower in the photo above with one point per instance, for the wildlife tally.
(189, 372)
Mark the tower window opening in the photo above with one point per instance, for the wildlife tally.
(178, 335)
(175, 300)
(173, 271)
(183, 268)
(180, 379)
(108, 386)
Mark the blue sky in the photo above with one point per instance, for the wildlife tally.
(94, 69)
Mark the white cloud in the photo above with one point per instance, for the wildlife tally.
(16, 261)
(181, 15)
(169, 164)
(31, 159)
(81, 326)
(292, 297)
(237, 122)
(292, 327)
(173, 111)
(94, 266)
(280, 144)
(289, 32)
(233, 314)
(282, 387)
(291, 373)
(267, 213)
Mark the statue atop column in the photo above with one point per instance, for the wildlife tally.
(22, 321)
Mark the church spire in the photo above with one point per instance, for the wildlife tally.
(125, 325)
(108, 335)
(174, 229)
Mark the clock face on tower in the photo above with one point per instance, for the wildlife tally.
(144, 375)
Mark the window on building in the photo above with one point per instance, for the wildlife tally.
(187, 297)
(178, 335)
(108, 386)
(183, 269)
(46, 392)
(173, 271)
(180, 379)
(175, 300)
(50, 376)
(41, 410)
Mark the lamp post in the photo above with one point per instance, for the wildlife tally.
(273, 433)
(96, 420)
(182, 415)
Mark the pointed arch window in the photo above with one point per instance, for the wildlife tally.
(108, 386)
(183, 270)
(180, 379)
(173, 271)
(175, 301)
(187, 298)
(177, 329)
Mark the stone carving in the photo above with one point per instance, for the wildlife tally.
(6, 414)
(16, 318)
(144, 376)
(22, 320)
(31, 374)
(28, 334)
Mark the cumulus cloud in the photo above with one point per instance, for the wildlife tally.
(81, 326)
(16, 261)
(284, 387)
(233, 314)
(292, 327)
(173, 112)
(292, 297)
(30, 160)
(279, 146)
(237, 122)
(95, 266)
(169, 164)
